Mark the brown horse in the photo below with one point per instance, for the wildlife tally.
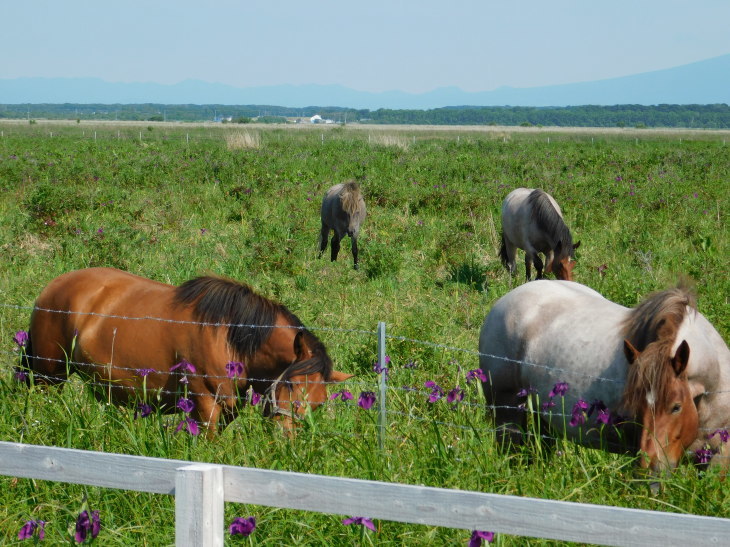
(206, 341)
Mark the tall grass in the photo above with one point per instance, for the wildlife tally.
(170, 207)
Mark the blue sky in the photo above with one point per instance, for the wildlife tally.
(378, 45)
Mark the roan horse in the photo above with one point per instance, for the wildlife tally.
(662, 365)
(532, 220)
(343, 210)
(126, 334)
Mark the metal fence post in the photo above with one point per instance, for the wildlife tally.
(199, 506)
(383, 384)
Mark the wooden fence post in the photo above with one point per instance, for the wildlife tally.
(199, 506)
(383, 384)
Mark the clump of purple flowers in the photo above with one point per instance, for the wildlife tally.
(436, 391)
(578, 415)
(477, 536)
(242, 526)
(382, 369)
(476, 374)
(234, 368)
(87, 524)
(362, 521)
(704, 455)
(187, 424)
(723, 433)
(143, 410)
(183, 367)
(33, 528)
(455, 396)
(21, 339)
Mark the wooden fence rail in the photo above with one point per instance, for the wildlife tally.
(200, 491)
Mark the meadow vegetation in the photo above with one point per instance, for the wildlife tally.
(172, 203)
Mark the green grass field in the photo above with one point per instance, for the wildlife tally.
(180, 201)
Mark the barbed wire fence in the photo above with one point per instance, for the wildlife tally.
(384, 382)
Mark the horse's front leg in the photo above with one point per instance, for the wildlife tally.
(354, 252)
(528, 265)
(323, 239)
(538, 266)
(207, 412)
(335, 246)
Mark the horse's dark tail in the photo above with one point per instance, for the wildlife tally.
(503, 253)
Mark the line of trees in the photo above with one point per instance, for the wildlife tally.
(713, 116)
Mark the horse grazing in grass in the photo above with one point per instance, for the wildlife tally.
(532, 221)
(343, 210)
(136, 340)
(661, 365)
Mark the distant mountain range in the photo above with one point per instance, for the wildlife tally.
(703, 82)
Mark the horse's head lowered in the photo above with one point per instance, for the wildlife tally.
(302, 387)
(563, 263)
(658, 393)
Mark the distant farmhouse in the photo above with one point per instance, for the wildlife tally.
(318, 119)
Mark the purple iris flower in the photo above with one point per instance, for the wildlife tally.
(578, 415)
(703, 455)
(603, 417)
(378, 369)
(144, 372)
(436, 391)
(186, 405)
(362, 521)
(478, 535)
(234, 368)
(476, 374)
(20, 375)
(21, 338)
(189, 425)
(455, 396)
(561, 388)
(86, 524)
(343, 394)
(143, 410)
(525, 391)
(183, 366)
(723, 433)
(366, 400)
(31, 527)
(242, 526)
(255, 398)
(547, 405)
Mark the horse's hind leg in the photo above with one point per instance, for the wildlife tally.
(323, 239)
(538, 266)
(334, 246)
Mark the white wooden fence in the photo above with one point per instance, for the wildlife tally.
(200, 491)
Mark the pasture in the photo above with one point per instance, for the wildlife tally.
(172, 202)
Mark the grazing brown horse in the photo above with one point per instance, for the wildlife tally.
(206, 341)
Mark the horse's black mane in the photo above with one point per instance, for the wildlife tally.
(249, 318)
(550, 222)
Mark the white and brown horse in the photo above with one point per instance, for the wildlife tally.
(661, 365)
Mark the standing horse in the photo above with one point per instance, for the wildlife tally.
(532, 220)
(135, 338)
(343, 210)
(661, 364)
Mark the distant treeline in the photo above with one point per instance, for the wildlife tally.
(714, 116)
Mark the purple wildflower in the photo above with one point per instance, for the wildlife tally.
(20, 375)
(362, 521)
(478, 535)
(144, 371)
(411, 364)
(603, 417)
(525, 391)
(723, 433)
(366, 400)
(579, 413)
(379, 369)
(703, 455)
(21, 338)
(242, 526)
(436, 391)
(143, 410)
(343, 394)
(31, 527)
(189, 425)
(547, 405)
(561, 388)
(183, 366)
(86, 524)
(186, 405)
(234, 368)
(476, 374)
(255, 398)
(455, 396)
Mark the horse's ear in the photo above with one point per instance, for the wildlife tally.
(338, 376)
(301, 350)
(681, 358)
(630, 352)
